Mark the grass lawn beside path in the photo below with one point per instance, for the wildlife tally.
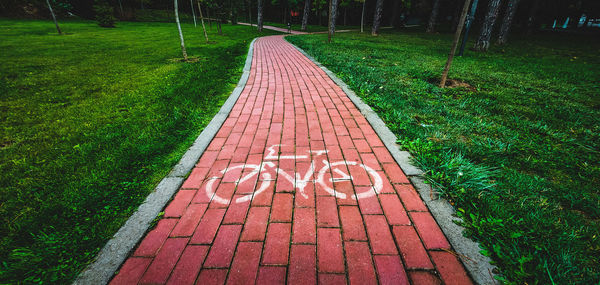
(90, 122)
(518, 153)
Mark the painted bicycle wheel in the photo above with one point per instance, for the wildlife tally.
(327, 184)
(256, 169)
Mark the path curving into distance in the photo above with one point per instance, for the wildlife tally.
(296, 187)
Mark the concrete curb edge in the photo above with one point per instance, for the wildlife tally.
(478, 265)
(116, 250)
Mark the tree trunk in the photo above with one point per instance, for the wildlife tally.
(362, 17)
(531, 25)
(395, 10)
(345, 15)
(433, 17)
(483, 42)
(319, 14)
(193, 13)
(377, 17)
(202, 21)
(305, 14)
(259, 17)
(506, 23)
(467, 27)
(121, 7)
(185, 57)
(53, 17)
(461, 22)
(332, 17)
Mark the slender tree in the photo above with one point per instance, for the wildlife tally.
(506, 23)
(202, 20)
(185, 56)
(259, 17)
(53, 17)
(483, 42)
(362, 17)
(305, 14)
(377, 17)
(332, 17)
(193, 13)
(461, 22)
(433, 17)
(121, 9)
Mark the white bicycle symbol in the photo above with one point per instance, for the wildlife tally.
(297, 180)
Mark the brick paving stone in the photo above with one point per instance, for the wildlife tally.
(411, 248)
(450, 268)
(390, 269)
(282, 207)
(393, 210)
(165, 260)
(256, 224)
(212, 276)
(411, 199)
(428, 229)
(207, 229)
(189, 220)
(155, 238)
(245, 263)
(424, 278)
(189, 265)
(380, 238)
(360, 266)
(332, 279)
(179, 203)
(277, 244)
(329, 250)
(352, 224)
(302, 269)
(222, 249)
(271, 275)
(131, 271)
(289, 111)
(304, 226)
(327, 215)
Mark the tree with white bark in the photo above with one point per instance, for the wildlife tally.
(377, 17)
(185, 56)
(483, 41)
(507, 22)
(433, 17)
(305, 14)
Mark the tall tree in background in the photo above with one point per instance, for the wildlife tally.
(202, 20)
(377, 18)
(433, 17)
(259, 17)
(193, 13)
(53, 17)
(305, 14)
(332, 17)
(362, 16)
(185, 57)
(506, 23)
(483, 42)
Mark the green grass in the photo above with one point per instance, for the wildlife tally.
(90, 122)
(518, 156)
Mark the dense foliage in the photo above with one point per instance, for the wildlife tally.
(516, 149)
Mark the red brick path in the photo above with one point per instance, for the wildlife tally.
(244, 225)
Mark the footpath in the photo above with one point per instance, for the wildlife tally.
(296, 187)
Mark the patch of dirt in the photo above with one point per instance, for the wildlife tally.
(453, 83)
